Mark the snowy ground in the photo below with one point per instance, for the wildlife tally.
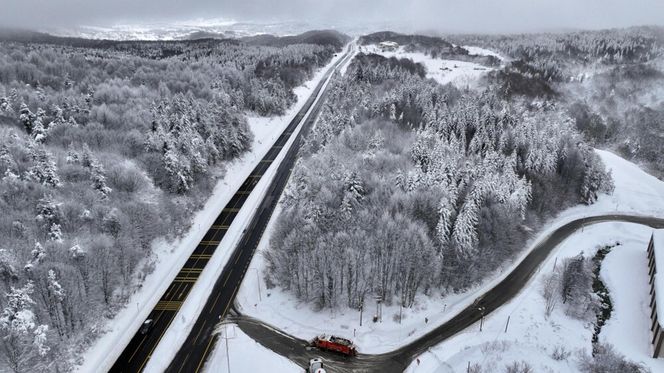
(169, 257)
(533, 338)
(636, 192)
(245, 355)
(459, 73)
(483, 52)
(625, 274)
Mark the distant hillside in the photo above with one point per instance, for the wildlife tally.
(316, 37)
(415, 40)
(204, 35)
(430, 45)
(319, 37)
(27, 36)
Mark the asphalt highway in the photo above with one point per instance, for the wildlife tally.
(199, 344)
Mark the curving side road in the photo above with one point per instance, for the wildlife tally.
(396, 361)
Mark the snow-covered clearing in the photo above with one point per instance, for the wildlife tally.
(169, 257)
(462, 74)
(532, 338)
(636, 192)
(477, 51)
(245, 355)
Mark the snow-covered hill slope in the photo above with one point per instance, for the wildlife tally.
(636, 192)
(532, 338)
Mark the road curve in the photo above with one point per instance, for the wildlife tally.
(396, 361)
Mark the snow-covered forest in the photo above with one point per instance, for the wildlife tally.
(408, 187)
(609, 82)
(106, 146)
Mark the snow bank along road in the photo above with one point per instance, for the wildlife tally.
(192, 355)
(396, 361)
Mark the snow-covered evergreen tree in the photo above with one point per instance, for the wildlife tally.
(27, 118)
(97, 173)
(44, 169)
(23, 340)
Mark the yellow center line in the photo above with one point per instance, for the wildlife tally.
(199, 332)
(215, 302)
(204, 353)
(230, 301)
(158, 339)
(137, 348)
(156, 319)
(227, 277)
(182, 365)
(183, 281)
(207, 348)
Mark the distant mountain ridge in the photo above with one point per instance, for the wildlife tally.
(317, 37)
(320, 37)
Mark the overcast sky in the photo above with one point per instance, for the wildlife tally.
(445, 15)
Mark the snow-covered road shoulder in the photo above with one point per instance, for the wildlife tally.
(169, 257)
(245, 355)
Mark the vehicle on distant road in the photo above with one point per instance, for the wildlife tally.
(336, 344)
(147, 325)
(316, 366)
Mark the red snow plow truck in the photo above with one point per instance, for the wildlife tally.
(336, 344)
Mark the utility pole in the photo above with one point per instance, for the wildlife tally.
(507, 324)
(379, 309)
(481, 309)
(228, 356)
(225, 325)
(361, 308)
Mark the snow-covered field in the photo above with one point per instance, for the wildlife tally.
(462, 74)
(531, 337)
(483, 52)
(245, 355)
(169, 257)
(636, 192)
